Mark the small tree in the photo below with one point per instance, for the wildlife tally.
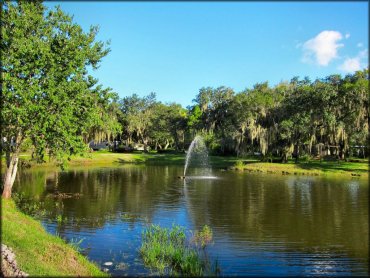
(47, 94)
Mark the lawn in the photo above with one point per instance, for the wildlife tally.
(312, 167)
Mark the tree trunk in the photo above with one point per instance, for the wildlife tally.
(175, 136)
(284, 157)
(296, 153)
(10, 174)
(341, 151)
(128, 141)
(183, 140)
(167, 144)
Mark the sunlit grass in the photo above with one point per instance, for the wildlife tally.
(37, 252)
(306, 168)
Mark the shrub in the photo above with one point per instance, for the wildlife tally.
(239, 164)
(305, 158)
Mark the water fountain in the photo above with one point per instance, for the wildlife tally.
(197, 156)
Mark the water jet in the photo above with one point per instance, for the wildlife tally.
(197, 158)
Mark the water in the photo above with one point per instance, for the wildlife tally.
(197, 157)
(262, 224)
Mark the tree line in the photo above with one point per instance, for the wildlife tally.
(299, 117)
(52, 105)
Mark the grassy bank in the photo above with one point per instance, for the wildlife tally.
(37, 252)
(357, 169)
(106, 158)
(310, 167)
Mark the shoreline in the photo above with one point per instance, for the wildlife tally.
(37, 252)
(308, 168)
(225, 163)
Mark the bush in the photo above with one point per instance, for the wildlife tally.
(305, 158)
(239, 164)
(212, 143)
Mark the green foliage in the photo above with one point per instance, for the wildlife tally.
(59, 219)
(212, 142)
(48, 96)
(105, 125)
(305, 158)
(49, 100)
(194, 120)
(203, 237)
(288, 119)
(239, 164)
(29, 206)
(53, 106)
(26, 145)
(168, 250)
(152, 123)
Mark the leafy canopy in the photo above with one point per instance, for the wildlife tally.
(47, 93)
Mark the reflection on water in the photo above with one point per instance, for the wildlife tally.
(262, 224)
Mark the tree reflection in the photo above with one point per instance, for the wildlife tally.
(307, 213)
(303, 213)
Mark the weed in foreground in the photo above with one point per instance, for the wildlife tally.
(203, 237)
(169, 251)
(76, 244)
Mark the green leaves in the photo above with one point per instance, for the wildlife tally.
(48, 95)
(332, 111)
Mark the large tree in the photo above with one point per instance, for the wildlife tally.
(47, 93)
(137, 116)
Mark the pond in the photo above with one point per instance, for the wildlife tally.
(262, 224)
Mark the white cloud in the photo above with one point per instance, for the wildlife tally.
(360, 44)
(355, 63)
(347, 35)
(350, 65)
(323, 48)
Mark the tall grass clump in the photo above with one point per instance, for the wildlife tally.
(203, 237)
(239, 164)
(169, 251)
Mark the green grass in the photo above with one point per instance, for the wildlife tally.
(167, 251)
(305, 167)
(312, 167)
(103, 158)
(37, 252)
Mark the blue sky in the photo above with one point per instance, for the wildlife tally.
(175, 48)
